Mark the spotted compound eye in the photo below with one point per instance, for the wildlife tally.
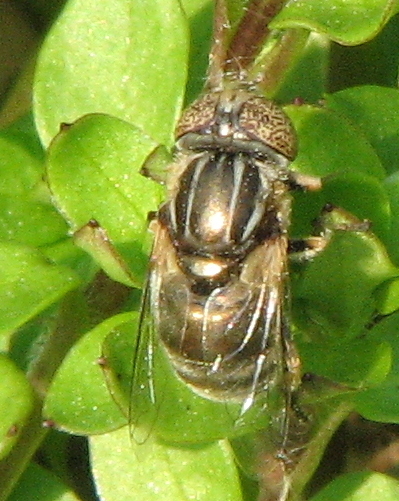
(199, 115)
(250, 116)
(264, 121)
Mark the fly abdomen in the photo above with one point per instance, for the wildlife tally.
(215, 340)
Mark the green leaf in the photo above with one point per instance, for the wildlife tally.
(392, 188)
(193, 7)
(382, 402)
(78, 400)
(26, 213)
(93, 172)
(349, 22)
(38, 484)
(373, 63)
(29, 284)
(24, 133)
(308, 77)
(360, 486)
(375, 112)
(116, 58)
(328, 144)
(387, 296)
(336, 293)
(199, 14)
(29, 222)
(357, 364)
(94, 240)
(156, 471)
(20, 171)
(16, 398)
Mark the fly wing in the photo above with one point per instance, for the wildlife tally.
(278, 446)
(277, 364)
(231, 344)
(143, 411)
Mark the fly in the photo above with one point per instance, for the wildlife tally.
(217, 291)
(219, 273)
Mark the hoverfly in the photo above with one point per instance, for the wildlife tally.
(216, 297)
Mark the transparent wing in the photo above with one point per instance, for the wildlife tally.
(260, 329)
(143, 402)
(283, 349)
(276, 364)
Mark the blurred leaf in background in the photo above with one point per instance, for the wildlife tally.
(116, 74)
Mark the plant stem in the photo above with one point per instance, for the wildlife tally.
(329, 418)
(251, 34)
(78, 312)
(13, 465)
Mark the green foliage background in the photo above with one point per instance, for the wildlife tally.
(121, 71)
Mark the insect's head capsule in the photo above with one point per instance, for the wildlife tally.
(238, 120)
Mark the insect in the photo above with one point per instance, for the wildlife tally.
(217, 289)
(217, 285)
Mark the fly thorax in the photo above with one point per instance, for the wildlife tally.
(221, 207)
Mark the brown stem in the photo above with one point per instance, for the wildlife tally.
(251, 34)
(218, 51)
(284, 477)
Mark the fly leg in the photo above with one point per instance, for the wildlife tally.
(305, 249)
(298, 181)
(332, 218)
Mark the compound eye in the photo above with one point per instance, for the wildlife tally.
(264, 121)
(199, 115)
